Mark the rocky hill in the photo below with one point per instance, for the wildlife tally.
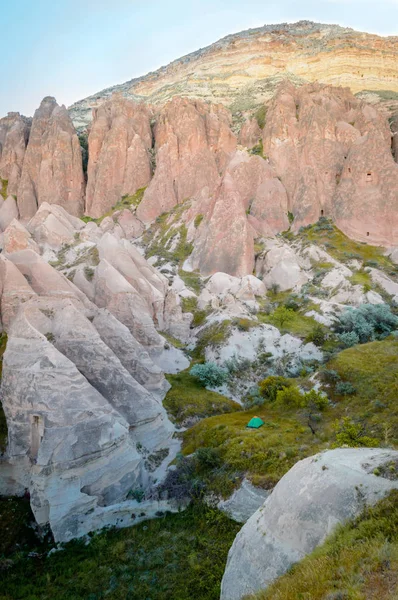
(222, 252)
(242, 70)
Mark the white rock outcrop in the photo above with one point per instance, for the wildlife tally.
(306, 505)
(80, 390)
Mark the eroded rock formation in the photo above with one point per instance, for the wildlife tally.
(14, 135)
(193, 144)
(119, 161)
(80, 389)
(52, 167)
(332, 153)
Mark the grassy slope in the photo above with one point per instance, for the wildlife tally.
(175, 557)
(268, 453)
(187, 399)
(358, 562)
(343, 248)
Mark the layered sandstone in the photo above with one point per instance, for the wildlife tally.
(52, 167)
(242, 68)
(119, 161)
(14, 135)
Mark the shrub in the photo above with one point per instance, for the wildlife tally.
(270, 386)
(311, 401)
(289, 396)
(345, 388)
(330, 375)
(349, 433)
(208, 458)
(348, 339)
(209, 374)
(368, 322)
(197, 221)
(317, 335)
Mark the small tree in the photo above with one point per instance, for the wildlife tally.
(283, 315)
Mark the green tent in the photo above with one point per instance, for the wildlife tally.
(255, 423)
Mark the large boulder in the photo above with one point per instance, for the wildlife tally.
(52, 168)
(119, 161)
(307, 504)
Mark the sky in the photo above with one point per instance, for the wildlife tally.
(71, 49)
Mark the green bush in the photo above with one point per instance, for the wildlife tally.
(270, 386)
(209, 374)
(289, 396)
(350, 433)
(345, 388)
(282, 315)
(368, 322)
(317, 335)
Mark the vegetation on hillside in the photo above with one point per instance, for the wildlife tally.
(188, 401)
(126, 201)
(177, 556)
(4, 188)
(325, 234)
(291, 433)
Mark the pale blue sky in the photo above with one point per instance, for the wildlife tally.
(73, 48)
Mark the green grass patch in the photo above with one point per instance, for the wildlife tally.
(192, 280)
(362, 278)
(172, 340)
(211, 336)
(292, 322)
(198, 220)
(176, 556)
(266, 454)
(373, 371)
(358, 562)
(261, 115)
(325, 234)
(126, 201)
(189, 400)
(190, 305)
(4, 188)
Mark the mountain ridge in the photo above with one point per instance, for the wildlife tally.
(256, 57)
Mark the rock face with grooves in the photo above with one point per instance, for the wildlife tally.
(52, 168)
(226, 239)
(193, 144)
(316, 495)
(332, 153)
(119, 162)
(14, 135)
(81, 393)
